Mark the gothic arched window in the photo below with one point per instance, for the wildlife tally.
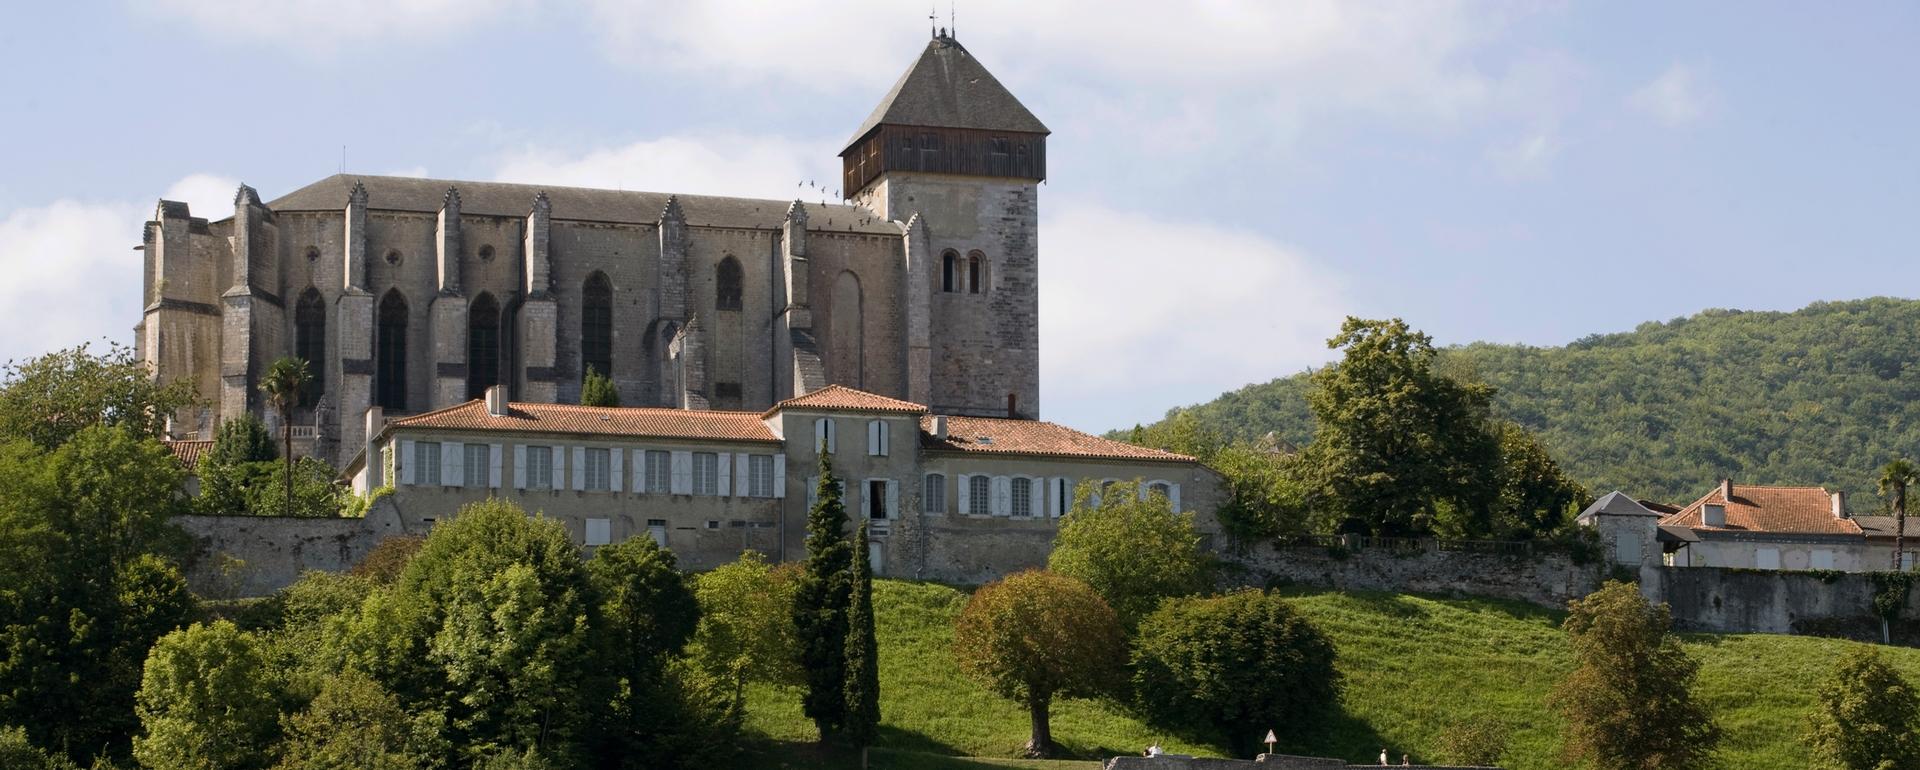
(310, 342)
(390, 390)
(726, 285)
(483, 345)
(949, 271)
(596, 326)
(976, 272)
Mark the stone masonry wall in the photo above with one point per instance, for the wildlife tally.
(237, 556)
(1546, 578)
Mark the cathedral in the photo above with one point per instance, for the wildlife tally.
(412, 295)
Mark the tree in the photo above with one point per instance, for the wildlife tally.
(241, 457)
(1133, 552)
(1895, 477)
(1475, 742)
(1628, 703)
(488, 630)
(746, 620)
(284, 384)
(1868, 716)
(205, 701)
(1395, 437)
(315, 495)
(1034, 636)
(354, 724)
(1265, 495)
(50, 399)
(82, 593)
(1535, 497)
(820, 606)
(598, 390)
(646, 616)
(1240, 664)
(19, 753)
(863, 651)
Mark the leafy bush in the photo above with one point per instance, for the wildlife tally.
(746, 620)
(206, 701)
(1133, 552)
(1868, 716)
(1629, 703)
(388, 559)
(355, 723)
(314, 493)
(1478, 741)
(1240, 664)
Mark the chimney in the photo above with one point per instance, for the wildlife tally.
(940, 427)
(1713, 515)
(376, 421)
(496, 401)
(1726, 490)
(1840, 505)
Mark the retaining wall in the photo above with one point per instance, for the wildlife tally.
(1545, 577)
(237, 556)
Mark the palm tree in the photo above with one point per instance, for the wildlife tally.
(286, 379)
(1894, 479)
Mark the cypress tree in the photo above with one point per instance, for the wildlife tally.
(863, 652)
(820, 606)
(597, 390)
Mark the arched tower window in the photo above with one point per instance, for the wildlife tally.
(949, 271)
(310, 342)
(976, 272)
(483, 345)
(596, 325)
(726, 285)
(390, 390)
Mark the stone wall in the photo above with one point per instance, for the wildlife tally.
(1545, 577)
(237, 556)
(1776, 602)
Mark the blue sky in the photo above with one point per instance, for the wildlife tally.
(1228, 180)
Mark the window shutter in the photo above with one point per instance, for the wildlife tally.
(813, 491)
(682, 481)
(405, 461)
(1002, 491)
(742, 476)
(453, 464)
(893, 499)
(723, 475)
(850, 498)
(493, 466)
(1173, 496)
(965, 492)
(559, 456)
(579, 468)
(616, 468)
(780, 476)
(519, 466)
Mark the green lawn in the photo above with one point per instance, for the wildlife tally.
(1412, 665)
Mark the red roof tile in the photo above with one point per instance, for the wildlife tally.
(841, 397)
(1032, 437)
(1795, 510)
(188, 452)
(596, 420)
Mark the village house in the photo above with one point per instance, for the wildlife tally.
(950, 497)
(1746, 526)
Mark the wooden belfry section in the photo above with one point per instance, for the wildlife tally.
(947, 115)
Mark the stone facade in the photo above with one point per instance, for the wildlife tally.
(415, 294)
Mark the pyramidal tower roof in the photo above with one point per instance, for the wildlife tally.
(948, 88)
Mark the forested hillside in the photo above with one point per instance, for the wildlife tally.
(1823, 395)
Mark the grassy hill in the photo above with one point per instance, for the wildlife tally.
(1413, 666)
(1823, 395)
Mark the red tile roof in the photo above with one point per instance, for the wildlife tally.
(596, 420)
(1032, 437)
(188, 452)
(1794, 510)
(841, 397)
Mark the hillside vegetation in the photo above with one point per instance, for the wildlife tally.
(1823, 395)
(1413, 666)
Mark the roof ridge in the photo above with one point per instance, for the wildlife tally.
(673, 409)
(436, 412)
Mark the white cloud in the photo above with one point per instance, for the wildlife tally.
(72, 273)
(1677, 97)
(1122, 325)
(1529, 158)
(708, 164)
(324, 26)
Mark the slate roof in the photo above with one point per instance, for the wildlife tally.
(1784, 510)
(948, 88)
(188, 452)
(1616, 504)
(504, 199)
(995, 435)
(841, 397)
(1883, 526)
(641, 422)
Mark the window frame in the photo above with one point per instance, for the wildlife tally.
(759, 483)
(539, 471)
(658, 472)
(1020, 497)
(933, 501)
(599, 469)
(706, 480)
(980, 495)
(473, 475)
(426, 472)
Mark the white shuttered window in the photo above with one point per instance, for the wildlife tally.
(706, 473)
(426, 463)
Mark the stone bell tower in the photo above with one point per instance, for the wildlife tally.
(951, 154)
